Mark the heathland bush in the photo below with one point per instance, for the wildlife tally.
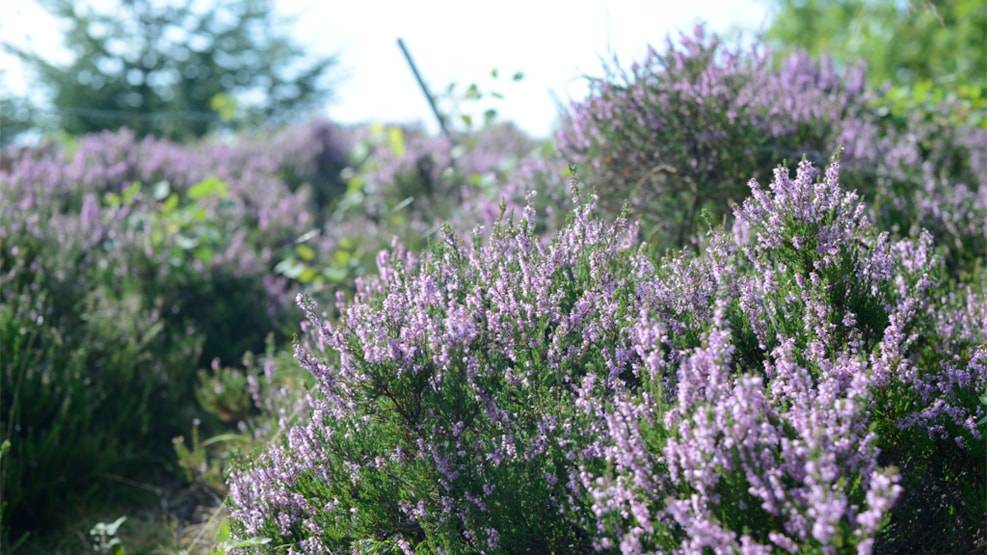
(92, 381)
(784, 389)
(681, 131)
(221, 215)
(124, 267)
(137, 273)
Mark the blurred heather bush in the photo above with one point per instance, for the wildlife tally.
(235, 229)
(785, 389)
(125, 266)
(92, 380)
(404, 183)
(680, 132)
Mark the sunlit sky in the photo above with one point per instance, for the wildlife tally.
(553, 43)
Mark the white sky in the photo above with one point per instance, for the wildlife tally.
(552, 42)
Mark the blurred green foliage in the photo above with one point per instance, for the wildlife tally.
(965, 105)
(91, 382)
(903, 42)
(16, 117)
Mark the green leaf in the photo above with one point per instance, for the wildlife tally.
(224, 105)
(223, 533)
(112, 200)
(252, 542)
(204, 254)
(306, 236)
(517, 76)
(922, 90)
(289, 268)
(355, 185)
(335, 275)
(185, 242)
(396, 137)
(209, 186)
(169, 205)
(307, 275)
(109, 529)
(197, 214)
(130, 192)
(305, 252)
(467, 120)
(341, 257)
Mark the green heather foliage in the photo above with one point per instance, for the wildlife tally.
(91, 380)
(780, 390)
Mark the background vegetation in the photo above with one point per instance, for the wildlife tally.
(153, 365)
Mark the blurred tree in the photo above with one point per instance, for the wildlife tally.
(16, 117)
(175, 69)
(902, 41)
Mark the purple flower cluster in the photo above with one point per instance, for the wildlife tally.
(516, 394)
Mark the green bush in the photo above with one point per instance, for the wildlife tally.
(90, 384)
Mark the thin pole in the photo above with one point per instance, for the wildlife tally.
(421, 83)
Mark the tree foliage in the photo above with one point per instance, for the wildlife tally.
(175, 69)
(902, 41)
(16, 116)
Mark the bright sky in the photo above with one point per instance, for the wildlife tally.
(551, 42)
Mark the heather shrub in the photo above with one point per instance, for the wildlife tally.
(680, 132)
(818, 358)
(785, 389)
(217, 221)
(215, 283)
(156, 266)
(443, 423)
(939, 169)
(683, 130)
(91, 385)
(115, 293)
